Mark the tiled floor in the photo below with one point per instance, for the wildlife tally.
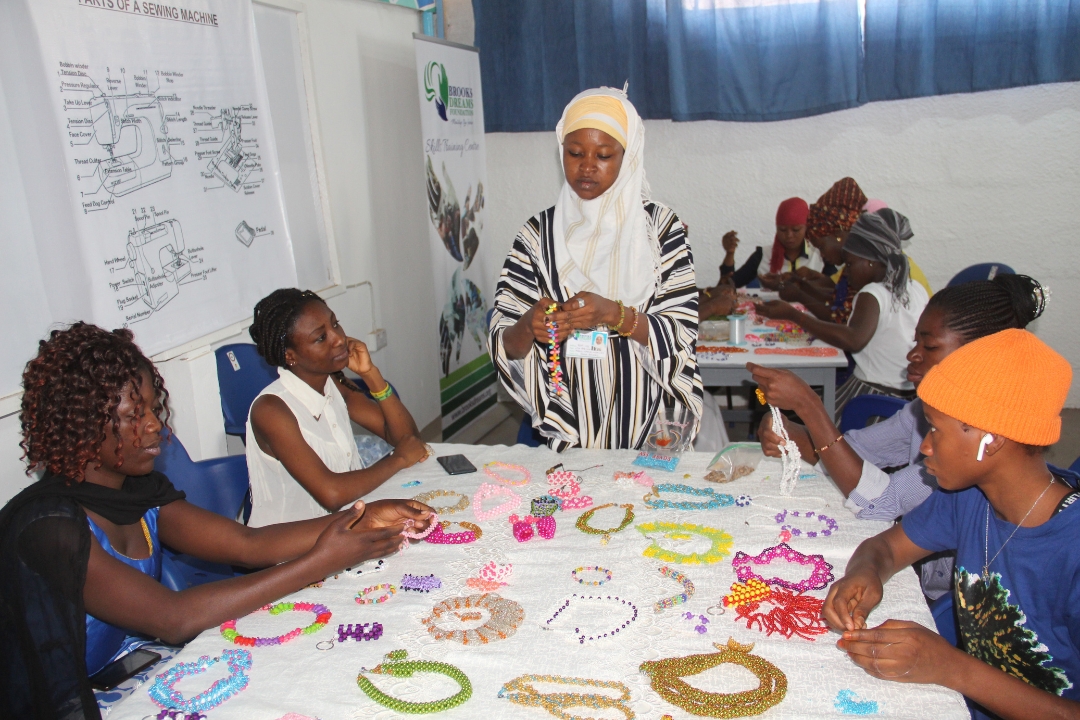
(1063, 454)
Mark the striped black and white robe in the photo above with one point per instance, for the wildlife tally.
(611, 402)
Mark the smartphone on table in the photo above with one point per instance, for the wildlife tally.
(123, 668)
(456, 464)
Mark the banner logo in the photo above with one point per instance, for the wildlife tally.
(454, 99)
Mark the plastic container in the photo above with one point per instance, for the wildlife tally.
(733, 462)
(737, 333)
(671, 431)
(714, 330)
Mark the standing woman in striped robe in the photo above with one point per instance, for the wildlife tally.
(608, 258)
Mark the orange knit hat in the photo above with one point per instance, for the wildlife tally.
(1010, 383)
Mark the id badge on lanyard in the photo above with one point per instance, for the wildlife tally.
(587, 344)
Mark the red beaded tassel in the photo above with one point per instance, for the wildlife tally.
(792, 614)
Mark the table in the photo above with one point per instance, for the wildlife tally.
(297, 677)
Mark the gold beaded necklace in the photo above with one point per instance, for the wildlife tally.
(582, 523)
(666, 679)
(521, 691)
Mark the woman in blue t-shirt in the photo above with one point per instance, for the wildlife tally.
(992, 406)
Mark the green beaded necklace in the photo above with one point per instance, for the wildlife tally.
(395, 664)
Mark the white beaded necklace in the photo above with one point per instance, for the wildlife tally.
(789, 454)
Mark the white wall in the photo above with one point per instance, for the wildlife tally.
(991, 176)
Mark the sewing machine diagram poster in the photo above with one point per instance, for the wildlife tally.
(170, 161)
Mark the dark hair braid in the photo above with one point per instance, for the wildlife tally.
(984, 307)
(71, 391)
(275, 316)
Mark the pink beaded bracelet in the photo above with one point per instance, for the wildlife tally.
(578, 502)
(433, 521)
(486, 491)
(491, 467)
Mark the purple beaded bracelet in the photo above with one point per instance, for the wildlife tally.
(830, 524)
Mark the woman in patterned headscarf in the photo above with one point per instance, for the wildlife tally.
(608, 258)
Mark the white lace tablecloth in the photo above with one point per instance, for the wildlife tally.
(298, 678)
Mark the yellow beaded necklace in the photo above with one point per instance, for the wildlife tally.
(721, 543)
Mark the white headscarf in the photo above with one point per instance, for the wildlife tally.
(606, 245)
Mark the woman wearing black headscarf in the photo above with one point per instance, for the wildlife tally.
(886, 308)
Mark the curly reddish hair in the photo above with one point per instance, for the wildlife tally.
(71, 392)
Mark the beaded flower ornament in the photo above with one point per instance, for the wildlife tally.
(446, 618)
(628, 608)
(164, 694)
(789, 451)
(396, 664)
(492, 576)
(521, 690)
(322, 617)
(553, 350)
(720, 548)
(523, 527)
(666, 677)
(819, 578)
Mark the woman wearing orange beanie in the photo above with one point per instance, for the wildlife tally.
(993, 406)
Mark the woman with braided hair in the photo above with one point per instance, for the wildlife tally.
(80, 549)
(302, 457)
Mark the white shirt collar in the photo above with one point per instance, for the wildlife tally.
(315, 402)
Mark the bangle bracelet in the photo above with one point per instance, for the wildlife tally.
(382, 394)
(630, 332)
(823, 449)
(622, 316)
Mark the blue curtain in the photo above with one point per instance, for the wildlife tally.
(936, 47)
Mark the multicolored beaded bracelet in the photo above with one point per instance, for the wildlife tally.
(583, 521)
(439, 536)
(522, 692)
(715, 500)
(545, 505)
(357, 632)
(361, 597)
(487, 491)
(658, 462)
(164, 695)
(427, 497)
(684, 596)
(322, 617)
(419, 583)
(819, 578)
(719, 549)
(491, 467)
(504, 618)
(396, 665)
(591, 568)
(582, 636)
(523, 527)
(830, 524)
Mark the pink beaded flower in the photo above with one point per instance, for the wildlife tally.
(819, 578)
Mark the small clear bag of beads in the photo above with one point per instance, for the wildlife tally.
(733, 462)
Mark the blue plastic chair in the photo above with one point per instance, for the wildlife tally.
(242, 375)
(861, 408)
(982, 271)
(219, 485)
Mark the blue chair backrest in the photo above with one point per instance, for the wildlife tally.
(861, 408)
(242, 375)
(219, 485)
(982, 271)
(528, 435)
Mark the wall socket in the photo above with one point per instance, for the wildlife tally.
(380, 338)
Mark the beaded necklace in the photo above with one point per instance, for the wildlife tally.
(553, 350)
(491, 467)
(715, 500)
(521, 691)
(504, 617)
(830, 524)
(439, 536)
(322, 617)
(427, 497)
(361, 597)
(666, 675)
(819, 578)
(582, 636)
(583, 521)
(684, 596)
(720, 549)
(164, 695)
(789, 451)
(486, 491)
(396, 665)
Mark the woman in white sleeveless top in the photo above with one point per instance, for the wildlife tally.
(301, 455)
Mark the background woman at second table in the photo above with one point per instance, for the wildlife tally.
(301, 454)
(887, 307)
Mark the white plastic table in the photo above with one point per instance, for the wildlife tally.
(296, 677)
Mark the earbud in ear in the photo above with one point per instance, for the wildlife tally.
(986, 440)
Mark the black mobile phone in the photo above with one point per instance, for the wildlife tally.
(456, 464)
(120, 670)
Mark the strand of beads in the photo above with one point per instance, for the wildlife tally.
(164, 694)
(792, 614)
(715, 500)
(362, 599)
(583, 636)
(830, 524)
(420, 583)
(433, 522)
(684, 596)
(521, 691)
(486, 491)
(504, 618)
(357, 632)
(720, 548)
(591, 568)
(396, 665)
(322, 617)
(666, 675)
(819, 578)
(583, 521)
(439, 536)
(847, 703)
(491, 468)
(553, 350)
(427, 497)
